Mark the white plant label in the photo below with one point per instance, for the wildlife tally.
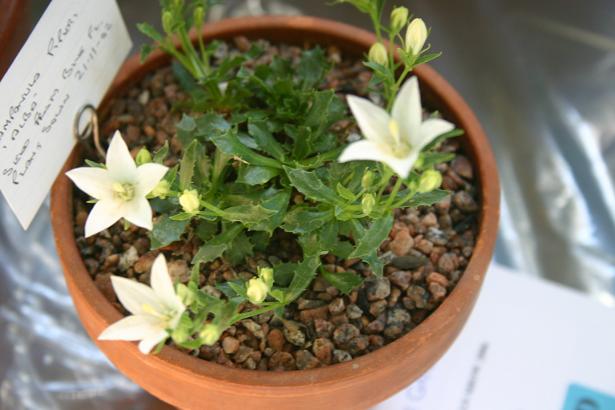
(69, 60)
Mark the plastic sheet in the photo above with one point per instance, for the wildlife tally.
(539, 75)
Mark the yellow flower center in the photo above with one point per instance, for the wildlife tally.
(125, 191)
(400, 149)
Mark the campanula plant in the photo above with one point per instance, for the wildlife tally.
(260, 156)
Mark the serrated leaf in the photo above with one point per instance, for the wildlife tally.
(372, 237)
(345, 192)
(345, 282)
(166, 231)
(255, 175)
(239, 249)
(265, 140)
(305, 220)
(429, 159)
(427, 198)
(161, 154)
(248, 215)
(230, 145)
(186, 167)
(304, 274)
(216, 247)
(309, 184)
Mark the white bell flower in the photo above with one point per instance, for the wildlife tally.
(156, 310)
(120, 188)
(394, 139)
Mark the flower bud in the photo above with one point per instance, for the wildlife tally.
(378, 54)
(185, 294)
(198, 16)
(367, 180)
(180, 334)
(189, 200)
(416, 35)
(430, 180)
(167, 22)
(266, 274)
(210, 334)
(399, 18)
(161, 190)
(367, 203)
(257, 290)
(143, 156)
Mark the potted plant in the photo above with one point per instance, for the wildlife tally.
(295, 212)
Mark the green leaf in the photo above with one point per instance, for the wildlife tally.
(304, 274)
(161, 154)
(186, 167)
(216, 247)
(427, 198)
(304, 220)
(345, 282)
(150, 31)
(94, 164)
(248, 215)
(265, 140)
(230, 145)
(451, 134)
(372, 237)
(429, 159)
(283, 273)
(312, 67)
(277, 203)
(166, 231)
(239, 249)
(309, 184)
(345, 192)
(256, 175)
(146, 50)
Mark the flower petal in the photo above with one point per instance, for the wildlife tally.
(403, 166)
(131, 328)
(148, 176)
(363, 150)
(407, 110)
(134, 295)
(105, 213)
(163, 285)
(93, 181)
(139, 212)
(121, 166)
(430, 130)
(372, 119)
(146, 345)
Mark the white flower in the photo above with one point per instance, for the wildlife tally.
(416, 35)
(396, 139)
(120, 188)
(154, 310)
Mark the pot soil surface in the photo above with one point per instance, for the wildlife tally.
(425, 255)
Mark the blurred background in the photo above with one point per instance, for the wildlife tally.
(540, 75)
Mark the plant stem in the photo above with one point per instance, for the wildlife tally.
(394, 192)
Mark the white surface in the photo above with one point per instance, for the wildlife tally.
(69, 60)
(525, 344)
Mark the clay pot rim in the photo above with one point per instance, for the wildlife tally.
(334, 376)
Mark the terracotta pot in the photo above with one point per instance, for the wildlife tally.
(13, 30)
(192, 383)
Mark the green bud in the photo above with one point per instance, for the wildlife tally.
(167, 22)
(257, 290)
(143, 156)
(416, 35)
(189, 200)
(367, 203)
(180, 334)
(198, 16)
(399, 18)
(161, 190)
(367, 180)
(430, 180)
(266, 274)
(378, 54)
(210, 334)
(185, 294)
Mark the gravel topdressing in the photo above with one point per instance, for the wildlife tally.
(426, 253)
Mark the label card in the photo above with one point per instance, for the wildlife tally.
(69, 60)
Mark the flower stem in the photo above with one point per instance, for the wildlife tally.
(394, 192)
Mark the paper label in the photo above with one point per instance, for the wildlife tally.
(69, 60)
